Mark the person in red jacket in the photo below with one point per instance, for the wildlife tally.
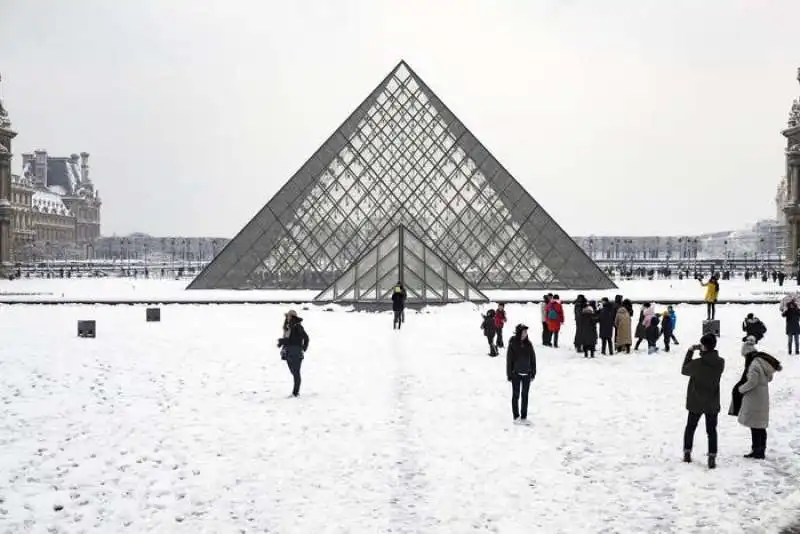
(555, 318)
(499, 322)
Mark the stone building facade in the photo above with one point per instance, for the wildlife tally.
(6, 210)
(791, 208)
(55, 204)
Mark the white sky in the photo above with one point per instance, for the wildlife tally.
(620, 116)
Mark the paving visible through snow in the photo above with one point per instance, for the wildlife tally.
(187, 426)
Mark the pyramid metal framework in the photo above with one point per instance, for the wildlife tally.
(401, 256)
(402, 158)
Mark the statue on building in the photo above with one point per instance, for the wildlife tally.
(5, 122)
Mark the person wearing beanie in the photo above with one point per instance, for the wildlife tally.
(751, 395)
(293, 344)
(520, 370)
(702, 395)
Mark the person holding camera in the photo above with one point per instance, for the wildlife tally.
(702, 395)
(293, 344)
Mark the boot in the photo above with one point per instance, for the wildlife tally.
(712, 461)
(755, 455)
(687, 456)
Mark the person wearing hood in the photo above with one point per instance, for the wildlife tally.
(499, 322)
(702, 395)
(652, 333)
(751, 396)
(753, 327)
(294, 344)
(587, 330)
(606, 322)
(520, 370)
(489, 330)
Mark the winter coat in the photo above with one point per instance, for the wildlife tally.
(555, 316)
(622, 323)
(666, 324)
(295, 340)
(520, 358)
(712, 291)
(754, 412)
(705, 372)
(644, 321)
(586, 328)
(606, 321)
(399, 296)
(754, 327)
(499, 319)
(792, 320)
(673, 317)
(651, 332)
(488, 326)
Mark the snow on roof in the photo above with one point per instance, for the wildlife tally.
(57, 189)
(49, 202)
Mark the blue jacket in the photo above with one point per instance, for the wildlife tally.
(674, 319)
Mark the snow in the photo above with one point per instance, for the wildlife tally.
(185, 426)
(110, 289)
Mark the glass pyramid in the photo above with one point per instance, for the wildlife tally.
(401, 256)
(402, 158)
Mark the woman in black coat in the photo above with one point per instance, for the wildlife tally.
(587, 330)
(792, 315)
(606, 321)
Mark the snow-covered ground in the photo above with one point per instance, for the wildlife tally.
(184, 426)
(141, 289)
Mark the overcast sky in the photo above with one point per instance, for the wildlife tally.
(619, 116)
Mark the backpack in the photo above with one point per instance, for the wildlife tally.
(552, 314)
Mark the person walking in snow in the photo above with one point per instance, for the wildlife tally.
(792, 316)
(752, 326)
(499, 323)
(652, 333)
(702, 395)
(605, 321)
(622, 326)
(489, 330)
(667, 328)
(399, 296)
(555, 318)
(751, 396)
(547, 336)
(712, 294)
(294, 344)
(645, 314)
(520, 371)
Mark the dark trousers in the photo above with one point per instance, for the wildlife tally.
(759, 437)
(555, 339)
(793, 338)
(667, 339)
(711, 430)
(294, 367)
(547, 336)
(492, 348)
(606, 341)
(711, 310)
(499, 334)
(398, 319)
(520, 383)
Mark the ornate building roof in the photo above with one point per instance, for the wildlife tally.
(49, 202)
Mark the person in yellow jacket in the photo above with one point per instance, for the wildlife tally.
(712, 294)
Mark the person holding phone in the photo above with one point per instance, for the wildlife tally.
(702, 395)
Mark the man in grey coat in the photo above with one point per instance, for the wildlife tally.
(702, 395)
(754, 388)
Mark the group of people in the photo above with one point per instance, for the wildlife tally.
(609, 322)
(749, 398)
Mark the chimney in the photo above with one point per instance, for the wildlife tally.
(40, 168)
(85, 167)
